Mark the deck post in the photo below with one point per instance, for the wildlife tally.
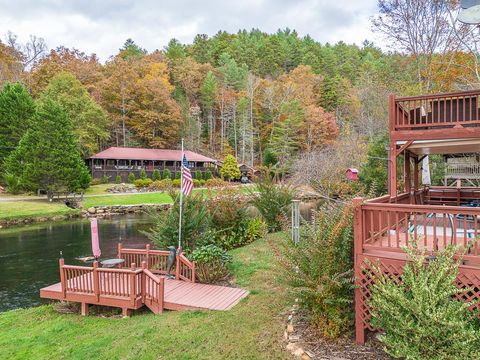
(84, 309)
(357, 236)
(193, 272)
(147, 249)
(61, 262)
(133, 288)
(408, 180)
(177, 265)
(96, 283)
(161, 294)
(119, 252)
(416, 182)
(393, 149)
(144, 280)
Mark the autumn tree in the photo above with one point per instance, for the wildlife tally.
(229, 169)
(88, 118)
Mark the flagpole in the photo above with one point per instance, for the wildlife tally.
(181, 203)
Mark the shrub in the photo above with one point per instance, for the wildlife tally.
(215, 182)
(201, 182)
(12, 183)
(156, 175)
(105, 179)
(143, 182)
(208, 175)
(131, 178)
(143, 174)
(195, 223)
(161, 185)
(273, 201)
(167, 174)
(95, 181)
(176, 182)
(196, 183)
(320, 270)
(118, 179)
(178, 174)
(420, 315)
(198, 175)
(211, 263)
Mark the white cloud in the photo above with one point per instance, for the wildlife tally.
(101, 27)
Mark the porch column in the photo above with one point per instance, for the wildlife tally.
(416, 184)
(393, 169)
(408, 180)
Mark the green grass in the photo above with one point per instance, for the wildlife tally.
(253, 329)
(98, 189)
(130, 199)
(10, 210)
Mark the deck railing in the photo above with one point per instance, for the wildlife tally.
(156, 261)
(462, 171)
(107, 285)
(390, 226)
(435, 111)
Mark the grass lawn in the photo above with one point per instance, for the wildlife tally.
(253, 329)
(98, 189)
(10, 210)
(130, 199)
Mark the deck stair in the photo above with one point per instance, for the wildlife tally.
(133, 287)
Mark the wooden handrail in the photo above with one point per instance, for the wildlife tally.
(467, 93)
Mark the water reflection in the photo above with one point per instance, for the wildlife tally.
(29, 255)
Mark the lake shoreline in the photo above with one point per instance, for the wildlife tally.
(102, 211)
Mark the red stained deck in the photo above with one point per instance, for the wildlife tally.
(179, 295)
(133, 287)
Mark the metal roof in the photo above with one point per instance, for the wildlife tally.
(149, 154)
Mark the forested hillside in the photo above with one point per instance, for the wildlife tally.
(265, 98)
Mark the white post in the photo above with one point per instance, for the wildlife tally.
(181, 203)
(295, 221)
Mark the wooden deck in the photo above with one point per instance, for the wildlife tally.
(132, 287)
(178, 294)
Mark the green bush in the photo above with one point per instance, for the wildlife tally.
(195, 223)
(161, 185)
(421, 316)
(176, 182)
(211, 263)
(105, 179)
(273, 201)
(142, 182)
(143, 174)
(167, 174)
(320, 270)
(178, 174)
(12, 182)
(131, 178)
(196, 183)
(118, 179)
(198, 175)
(156, 175)
(201, 182)
(208, 175)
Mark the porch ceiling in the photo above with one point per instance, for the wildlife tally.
(448, 146)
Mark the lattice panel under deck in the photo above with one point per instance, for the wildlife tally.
(468, 278)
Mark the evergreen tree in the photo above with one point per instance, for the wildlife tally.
(48, 155)
(373, 174)
(16, 110)
(230, 169)
(156, 175)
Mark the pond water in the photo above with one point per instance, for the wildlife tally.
(29, 254)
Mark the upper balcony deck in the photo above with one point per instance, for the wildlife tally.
(435, 117)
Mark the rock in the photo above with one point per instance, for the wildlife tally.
(100, 211)
(295, 349)
(92, 210)
(305, 356)
(289, 328)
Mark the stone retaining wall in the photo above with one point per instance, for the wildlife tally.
(109, 210)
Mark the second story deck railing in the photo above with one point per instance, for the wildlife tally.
(460, 109)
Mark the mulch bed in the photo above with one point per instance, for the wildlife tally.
(340, 349)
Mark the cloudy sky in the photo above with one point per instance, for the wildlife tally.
(102, 26)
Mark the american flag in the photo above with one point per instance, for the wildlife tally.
(187, 182)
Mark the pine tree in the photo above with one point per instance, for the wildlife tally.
(230, 169)
(16, 110)
(48, 155)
